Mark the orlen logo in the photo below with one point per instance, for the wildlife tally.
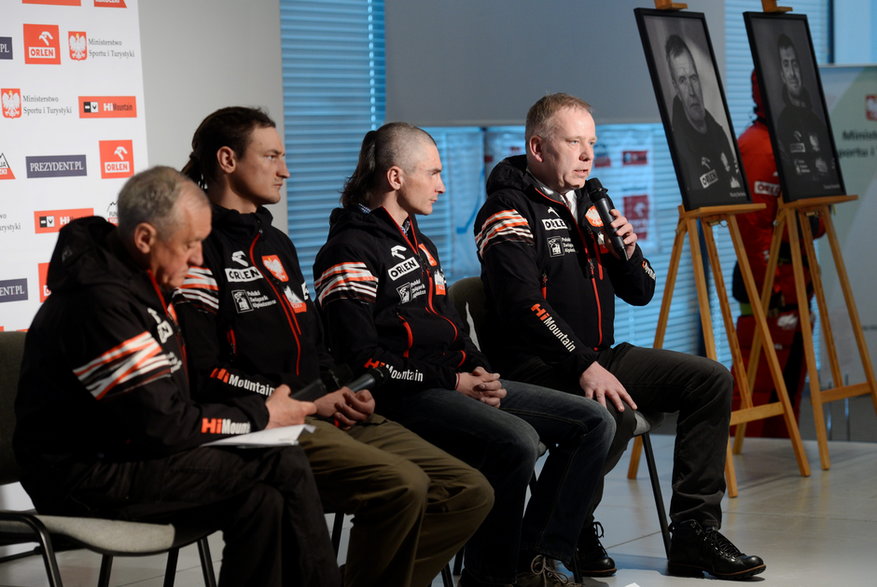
(43, 271)
(107, 107)
(5, 169)
(109, 4)
(78, 43)
(41, 44)
(11, 98)
(116, 159)
(54, 220)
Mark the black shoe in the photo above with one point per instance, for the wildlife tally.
(697, 548)
(591, 559)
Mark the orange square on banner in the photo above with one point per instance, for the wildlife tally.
(42, 44)
(54, 220)
(11, 102)
(77, 41)
(43, 271)
(109, 4)
(107, 107)
(116, 159)
(54, 2)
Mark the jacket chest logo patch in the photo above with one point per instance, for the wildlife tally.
(403, 268)
(297, 302)
(559, 246)
(242, 275)
(410, 291)
(249, 300)
(554, 224)
(273, 264)
(164, 329)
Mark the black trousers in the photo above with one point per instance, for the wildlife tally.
(264, 501)
(698, 389)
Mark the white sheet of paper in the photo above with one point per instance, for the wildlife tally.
(283, 436)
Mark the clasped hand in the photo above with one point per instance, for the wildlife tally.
(482, 385)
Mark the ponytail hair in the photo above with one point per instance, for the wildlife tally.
(392, 144)
(227, 127)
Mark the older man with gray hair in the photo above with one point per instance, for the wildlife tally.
(106, 424)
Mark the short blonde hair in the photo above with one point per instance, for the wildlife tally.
(540, 114)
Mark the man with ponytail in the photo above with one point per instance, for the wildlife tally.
(253, 330)
(383, 296)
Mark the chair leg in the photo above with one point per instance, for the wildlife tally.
(656, 490)
(106, 567)
(206, 563)
(447, 577)
(170, 569)
(337, 527)
(458, 561)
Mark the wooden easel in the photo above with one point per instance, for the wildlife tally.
(792, 217)
(747, 412)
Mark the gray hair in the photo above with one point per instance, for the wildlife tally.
(150, 196)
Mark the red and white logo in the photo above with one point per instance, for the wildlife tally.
(636, 209)
(5, 170)
(54, 220)
(634, 157)
(43, 271)
(107, 107)
(871, 107)
(42, 44)
(109, 4)
(272, 262)
(54, 2)
(78, 43)
(11, 98)
(116, 159)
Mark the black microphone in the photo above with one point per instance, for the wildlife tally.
(600, 199)
(370, 379)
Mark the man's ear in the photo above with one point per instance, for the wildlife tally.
(534, 148)
(395, 177)
(227, 159)
(145, 236)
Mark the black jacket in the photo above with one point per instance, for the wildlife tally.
(246, 314)
(103, 374)
(383, 296)
(550, 283)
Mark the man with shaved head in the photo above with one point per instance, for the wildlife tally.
(384, 299)
(252, 328)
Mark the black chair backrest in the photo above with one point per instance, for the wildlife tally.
(11, 349)
(468, 298)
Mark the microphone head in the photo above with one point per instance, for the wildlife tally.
(595, 189)
(379, 374)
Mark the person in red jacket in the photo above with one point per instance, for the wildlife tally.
(757, 228)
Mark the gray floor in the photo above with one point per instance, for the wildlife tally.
(814, 531)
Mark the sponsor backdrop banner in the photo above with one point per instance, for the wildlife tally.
(71, 130)
(851, 98)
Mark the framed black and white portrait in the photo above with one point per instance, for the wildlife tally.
(693, 107)
(800, 130)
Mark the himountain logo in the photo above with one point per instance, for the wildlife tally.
(41, 44)
(53, 220)
(107, 107)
